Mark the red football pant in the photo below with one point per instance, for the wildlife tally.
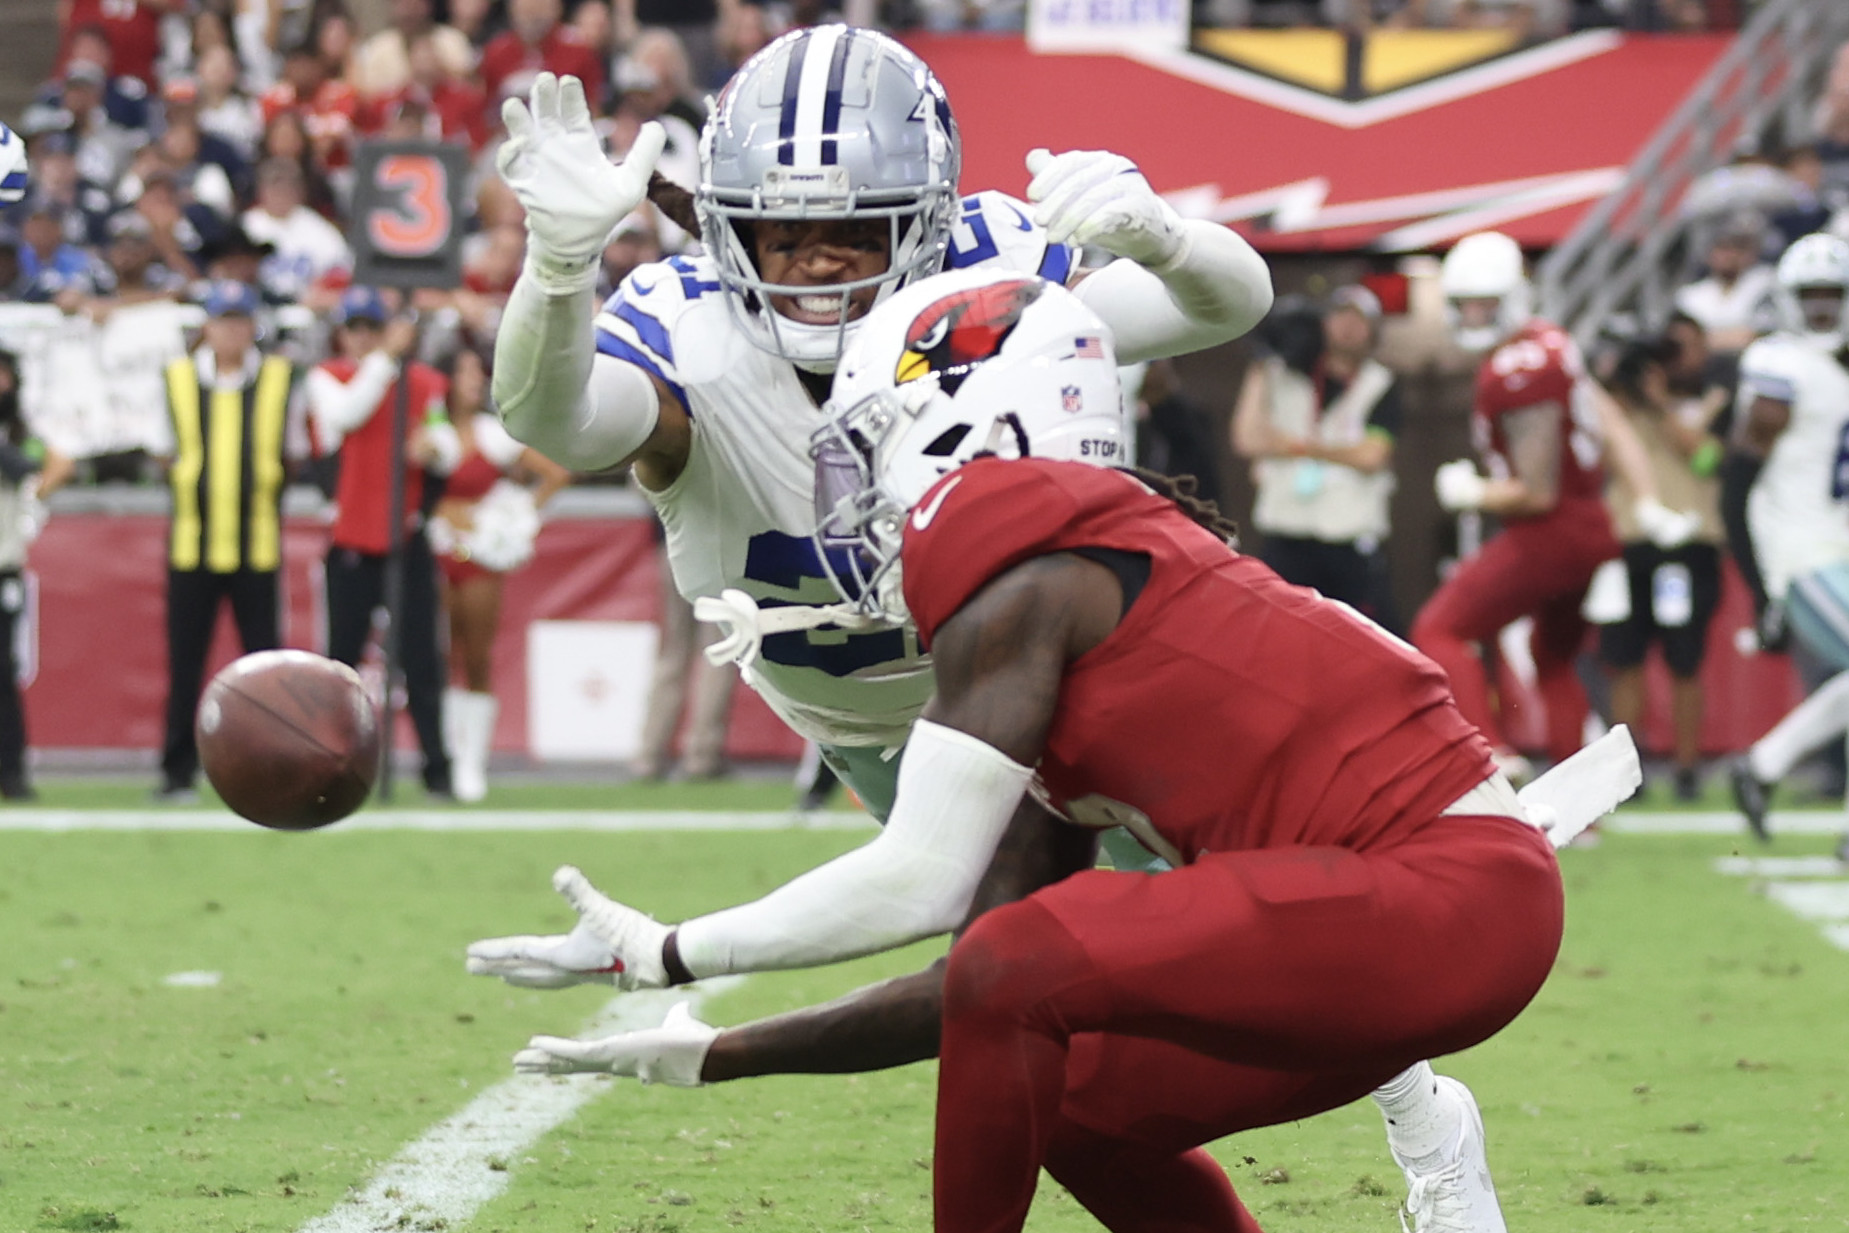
(1537, 569)
(1108, 1025)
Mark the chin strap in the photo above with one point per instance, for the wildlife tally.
(745, 625)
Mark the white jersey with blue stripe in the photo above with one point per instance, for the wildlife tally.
(742, 512)
(1798, 511)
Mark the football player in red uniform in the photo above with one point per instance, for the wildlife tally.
(1339, 830)
(1542, 426)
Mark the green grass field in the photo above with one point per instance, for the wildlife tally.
(1684, 1070)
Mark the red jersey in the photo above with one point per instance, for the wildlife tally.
(559, 52)
(360, 520)
(1229, 708)
(457, 111)
(1541, 364)
(133, 30)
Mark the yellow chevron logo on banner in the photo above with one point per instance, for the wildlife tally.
(1354, 67)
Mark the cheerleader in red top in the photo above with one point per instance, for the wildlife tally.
(483, 527)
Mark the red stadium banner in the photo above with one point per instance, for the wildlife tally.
(101, 679)
(1305, 140)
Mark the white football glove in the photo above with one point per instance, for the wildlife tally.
(1665, 527)
(573, 195)
(672, 1053)
(1459, 486)
(1096, 197)
(611, 944)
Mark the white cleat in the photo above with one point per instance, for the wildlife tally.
(1458, 1196)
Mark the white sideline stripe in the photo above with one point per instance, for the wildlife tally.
(1726, 822)
(439, 820)
(1826, 902)
(444, 1176)
(1780, 866)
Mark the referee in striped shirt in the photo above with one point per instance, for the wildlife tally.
(228, 403)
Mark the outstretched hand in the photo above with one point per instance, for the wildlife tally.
(672, 1053)
(611, 944)
(574, 196)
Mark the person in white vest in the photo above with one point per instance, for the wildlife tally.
(1318, 420)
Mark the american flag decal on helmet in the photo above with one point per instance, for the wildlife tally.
(1090, 347)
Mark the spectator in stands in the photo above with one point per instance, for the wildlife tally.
(224, 109)
(132, 271)
(1734, 303)
(130, 29)
(943, 15)
(189, 147)
(226, 542)
(57, 180)
(1808, 210)
(325, 103)
(286, 137)
(103, 147)
(590, 21)
(657, 80)
(536, 41)
(482, 528)
(453, 107)
(382, 66)
(637, 242)
(351, 401)
(49, 263)
(696, 26)
(477, 20)
(1318, 418)
(125, 99)
(308, 247)
(182, 228)
(1673, 591)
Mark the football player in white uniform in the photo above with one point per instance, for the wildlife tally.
(1794, 415)
(828, 181)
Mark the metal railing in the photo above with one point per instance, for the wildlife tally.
(1634, 249)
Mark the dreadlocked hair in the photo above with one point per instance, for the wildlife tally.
(675, 202)
(1181, 490)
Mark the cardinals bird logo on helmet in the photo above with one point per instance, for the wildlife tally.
(958, 332)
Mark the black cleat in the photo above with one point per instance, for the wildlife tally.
(1752, 796)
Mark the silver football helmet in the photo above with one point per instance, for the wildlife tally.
(826, 123)
(969, 363)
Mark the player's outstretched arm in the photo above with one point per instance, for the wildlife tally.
(553, 392)
(1183, 284)
(892, 1023)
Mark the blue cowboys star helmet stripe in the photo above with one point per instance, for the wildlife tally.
(826, 123)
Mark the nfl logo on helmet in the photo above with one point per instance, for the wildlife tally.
(1070, 399)
(12, 166)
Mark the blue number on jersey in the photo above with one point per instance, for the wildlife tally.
(970, 241)
(692, 285)
(786, 561)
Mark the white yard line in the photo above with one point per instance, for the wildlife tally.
(439, 820)
(443, 1178)
(1822, 898)
(1726, 822)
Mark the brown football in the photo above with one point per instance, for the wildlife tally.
(289, 739)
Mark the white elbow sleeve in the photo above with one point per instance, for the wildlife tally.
(556, 394)
(915, 880)
(1215, 289)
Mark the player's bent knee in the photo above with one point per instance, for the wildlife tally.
(1008, 963)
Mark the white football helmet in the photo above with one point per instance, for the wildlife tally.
(1486, 265)
(1815, 263)
(965, 364)
(826, 123)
